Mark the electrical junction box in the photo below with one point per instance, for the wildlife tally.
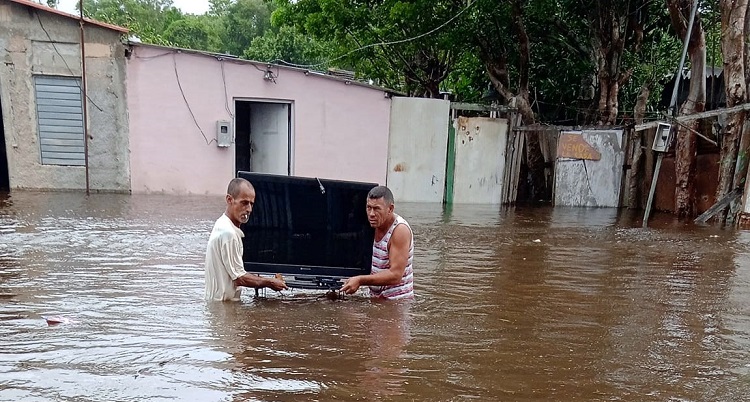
(663, 137)
(223, 134)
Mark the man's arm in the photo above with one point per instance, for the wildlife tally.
(398, 254)
(255, 281)
(232, 257)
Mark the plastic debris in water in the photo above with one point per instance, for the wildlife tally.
(56, 320)
(537, 241)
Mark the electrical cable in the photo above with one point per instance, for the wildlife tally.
(395, 42)
(65, 61)
(226, 95)
(177, 75)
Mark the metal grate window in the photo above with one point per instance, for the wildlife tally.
(60, 120)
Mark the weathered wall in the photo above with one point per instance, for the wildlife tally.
(706, 182)
(340, 131)
(26, 51)
(589, 183)
(417, 149)
(481, 144)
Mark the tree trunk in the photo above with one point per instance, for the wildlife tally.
(686, 141)
(495, 59)
(636, 139)
(740, 207)
(733, 14)
(608, 48)
(613, 22)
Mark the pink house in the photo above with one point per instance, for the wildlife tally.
(197, 118)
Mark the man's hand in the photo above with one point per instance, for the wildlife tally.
(351, 285)
(276, 284)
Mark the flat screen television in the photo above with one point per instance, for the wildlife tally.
(312, 231)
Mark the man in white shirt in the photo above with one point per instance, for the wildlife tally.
(225, 272)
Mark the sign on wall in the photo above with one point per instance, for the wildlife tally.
(581, 180)
(574, 146)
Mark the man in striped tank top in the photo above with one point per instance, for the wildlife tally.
(391, 276)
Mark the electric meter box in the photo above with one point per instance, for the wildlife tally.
(663, 137)
(223, 134)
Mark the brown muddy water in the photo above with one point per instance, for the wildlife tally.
(514, 304)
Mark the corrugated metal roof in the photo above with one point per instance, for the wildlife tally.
(41, 7)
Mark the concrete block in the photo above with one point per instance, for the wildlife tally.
(98, 50)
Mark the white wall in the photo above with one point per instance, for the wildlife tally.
(481, 144)
(418, 143)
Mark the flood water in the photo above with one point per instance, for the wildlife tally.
(513, 304)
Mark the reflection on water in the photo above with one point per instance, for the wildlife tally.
(512, 304)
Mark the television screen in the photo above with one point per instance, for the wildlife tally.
(313, 231)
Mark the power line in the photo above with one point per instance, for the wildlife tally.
(65, 61)
(226, 95)
(177, 75)
(395, 42)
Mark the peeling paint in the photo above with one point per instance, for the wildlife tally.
(480, 160)
(25, 48)
(589, 183)
(419, 135)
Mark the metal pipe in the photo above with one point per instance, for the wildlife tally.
(85, 98)
(672, 111)
(685, 45)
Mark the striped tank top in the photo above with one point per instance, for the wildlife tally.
(381, 262)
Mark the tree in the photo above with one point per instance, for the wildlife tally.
(734, 22)
(244, 20)
(287, 46)
(409, 46)
(146, 19)
(500, 33)
(195, 32)
(218, 8)
(686, 141)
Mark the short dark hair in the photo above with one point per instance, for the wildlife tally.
(236, 184)
(381, 192)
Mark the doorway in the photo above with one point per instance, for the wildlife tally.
(263, 137)
(4, 173)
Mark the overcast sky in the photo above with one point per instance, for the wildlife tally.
(187, 6)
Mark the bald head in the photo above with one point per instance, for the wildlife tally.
(236, 185)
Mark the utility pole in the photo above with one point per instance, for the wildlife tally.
(85, 98)
(672, 112)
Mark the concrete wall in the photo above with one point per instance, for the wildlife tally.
(589, 183)
(417, 149)
(26, 51)
(480, 160)
(340, 130)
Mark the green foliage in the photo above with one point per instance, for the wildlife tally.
(243, 21)
(146, 19)
(287, 45)
(195, 32)
(388, 41)
(364, 31)
(218, 8)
